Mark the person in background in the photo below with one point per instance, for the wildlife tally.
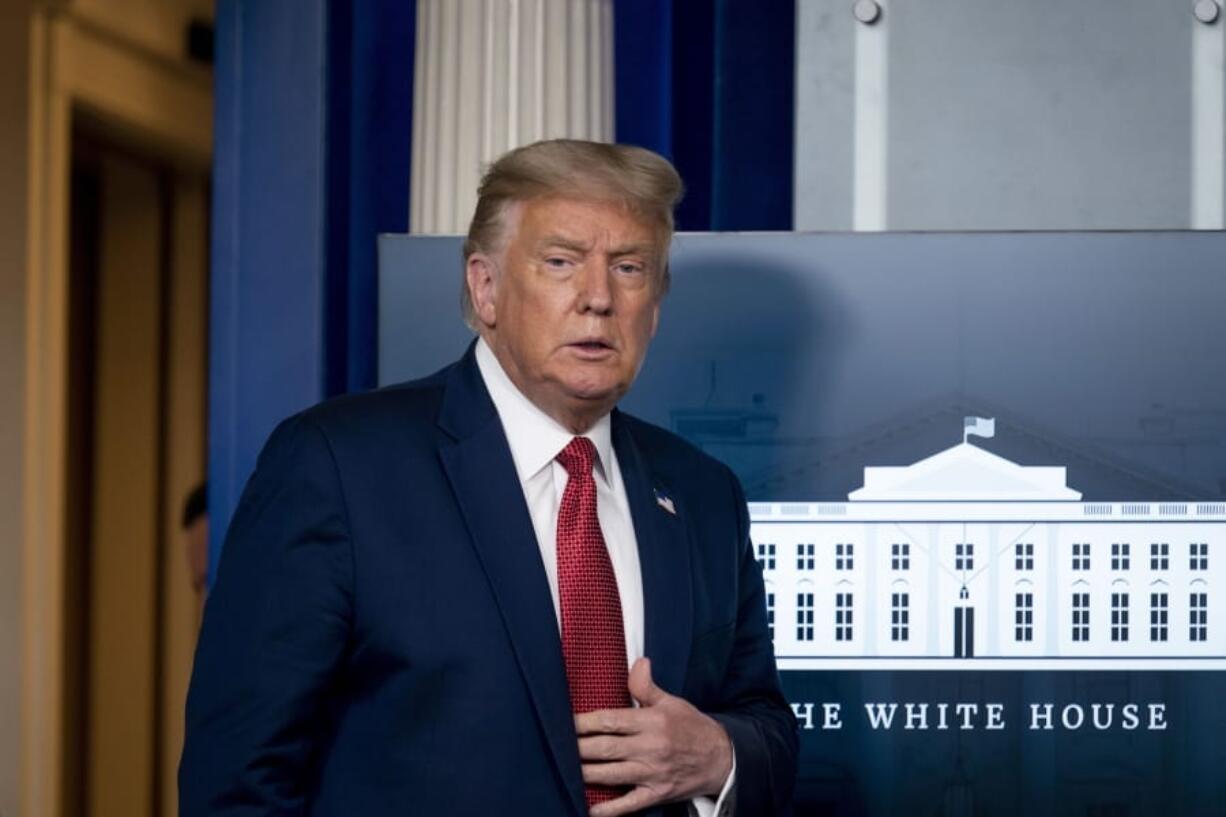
(195, 527)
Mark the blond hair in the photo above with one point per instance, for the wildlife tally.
(643, 181)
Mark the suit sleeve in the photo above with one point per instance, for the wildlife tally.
(276, 630)
(757, 717)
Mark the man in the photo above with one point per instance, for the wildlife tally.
(488, 591)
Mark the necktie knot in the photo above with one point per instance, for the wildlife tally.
(578, 456)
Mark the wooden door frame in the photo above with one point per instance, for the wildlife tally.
(75, 66)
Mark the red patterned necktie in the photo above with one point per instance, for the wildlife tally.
(593, 638)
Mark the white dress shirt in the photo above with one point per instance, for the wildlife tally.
(535, 440)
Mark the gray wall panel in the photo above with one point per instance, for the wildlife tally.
(1000, 115)
(824, 96)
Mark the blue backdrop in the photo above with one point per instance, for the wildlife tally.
(313, 124)
(800, 359)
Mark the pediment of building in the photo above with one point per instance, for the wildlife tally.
(964, 472)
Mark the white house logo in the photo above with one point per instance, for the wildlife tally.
(965, 560)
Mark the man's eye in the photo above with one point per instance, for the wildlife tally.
(629, 269)
(556, 262)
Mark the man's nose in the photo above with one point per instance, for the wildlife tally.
(595, 292)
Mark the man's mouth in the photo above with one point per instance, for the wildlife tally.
(593, 349)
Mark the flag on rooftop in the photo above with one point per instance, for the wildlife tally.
(979, 426)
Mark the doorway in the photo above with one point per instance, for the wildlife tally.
(964, 632)
(120, 137)
(136, 448)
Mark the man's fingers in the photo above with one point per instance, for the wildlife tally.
(642, 687)
(635, 800)
(609, 722)
(619, 773)
(603, 748)
(664, 750)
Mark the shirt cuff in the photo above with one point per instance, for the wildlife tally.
(722, 806)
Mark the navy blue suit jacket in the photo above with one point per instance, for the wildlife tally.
(381, 639)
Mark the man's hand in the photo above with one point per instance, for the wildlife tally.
(664, 751)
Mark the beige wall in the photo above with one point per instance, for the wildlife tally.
(154, 27)
(14, 80)
(157, 25)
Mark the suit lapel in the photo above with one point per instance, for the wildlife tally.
(664, 561)
(479, 466)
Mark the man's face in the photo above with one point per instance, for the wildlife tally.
(572, 303)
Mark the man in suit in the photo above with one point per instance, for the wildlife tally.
(489, 591)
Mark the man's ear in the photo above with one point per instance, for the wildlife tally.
(482, 278)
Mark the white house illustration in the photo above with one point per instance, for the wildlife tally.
(967, 560)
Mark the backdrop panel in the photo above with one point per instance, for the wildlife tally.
(1017, 613)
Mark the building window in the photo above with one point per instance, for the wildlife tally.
(842, 617)
(804, 616)
(1023, 618)
(1120, 555)
(1119, 616)
(1023, 556)
(805, 559)
(1159, 556)
(964, 556)
(900, 556)
(1199, 556)
(1081, 616)
(1158, 611)
(1198, 617)
(766, 555)
(844, 554)
(900, 616)
(1081, 556)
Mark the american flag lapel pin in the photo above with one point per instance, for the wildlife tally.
(665, 501)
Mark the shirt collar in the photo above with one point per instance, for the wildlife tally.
(535, 438)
